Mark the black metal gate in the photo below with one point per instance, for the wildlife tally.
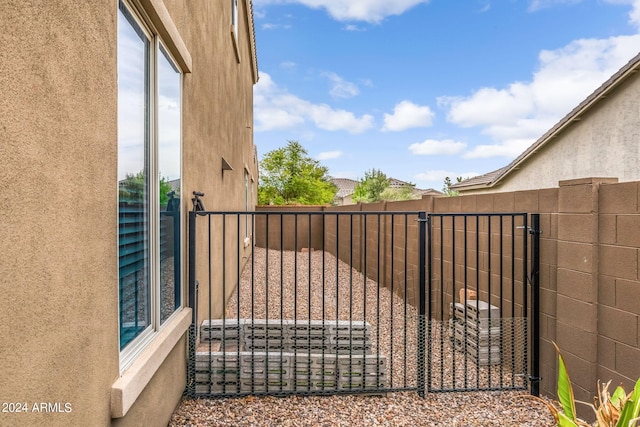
(346, 302)
(483, 293)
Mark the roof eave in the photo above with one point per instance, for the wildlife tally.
(575, 115)
(472, 187)
(252, 41)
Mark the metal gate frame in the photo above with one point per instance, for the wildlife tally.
(426, 277)
(464, 333)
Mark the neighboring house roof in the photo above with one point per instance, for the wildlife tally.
(492, 178)
(428, 192)
(175, 184)
(396, 183)
(480, 179)
(345, 186)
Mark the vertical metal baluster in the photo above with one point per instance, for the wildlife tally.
(422, 218)
(535, 304)
(513, 296)
(404, 329)
(525, 294)
(502, 323)
(430, 287)
(442, 303)
(391, 325)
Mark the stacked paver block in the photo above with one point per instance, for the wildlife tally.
(362, 372)
(262, 371)
(476, 330)
(260, 335)
(229, 332)
(217, 372)
(351, 337)
(314, 371)
(287, 355)
(310, 336)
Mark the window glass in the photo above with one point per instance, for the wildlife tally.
(169, 83)
(133, 178)
(234, 17)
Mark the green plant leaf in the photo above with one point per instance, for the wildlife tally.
(565, 391)
(564, 421)
(618, 397)
(631, 409)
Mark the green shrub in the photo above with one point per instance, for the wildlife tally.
(612, 410)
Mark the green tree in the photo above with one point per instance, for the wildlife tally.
(371, 187)
(289, 176)
(402, 193)
(446, 189)
(132, 188)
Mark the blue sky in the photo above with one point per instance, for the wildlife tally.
(424, 89)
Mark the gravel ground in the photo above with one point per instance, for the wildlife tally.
(301, 280)
(396, 409)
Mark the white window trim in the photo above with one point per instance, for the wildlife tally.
(140, 360)
(235, 27)
(132, 382)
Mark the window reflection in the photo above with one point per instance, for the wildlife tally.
(169, 163)
(133, 181)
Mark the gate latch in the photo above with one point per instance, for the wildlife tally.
(530, 229)
(197, 202)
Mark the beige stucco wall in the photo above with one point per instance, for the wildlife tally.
(58, 322)
(605, 142)
(218, 123)
(58, 142)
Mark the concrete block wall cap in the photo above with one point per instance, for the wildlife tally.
(592, 180)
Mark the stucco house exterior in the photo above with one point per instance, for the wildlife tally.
(105, 106)
(345, 190)
(598, 138)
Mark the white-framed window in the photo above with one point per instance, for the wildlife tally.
(149, 176)
(234, 28)
(234, 18)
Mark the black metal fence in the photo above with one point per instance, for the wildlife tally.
(341, 302)
(483, 287)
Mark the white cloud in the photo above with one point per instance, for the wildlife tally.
(352, 27)
(372, 11)
(634, 14)
(516, 115)
(270, 26)
(432, 147)
(340, 87)
(542, 4)
(326, 155)
(275, 108)
(511, 149)
(407, 115)
(345, 174)
(288, 65)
